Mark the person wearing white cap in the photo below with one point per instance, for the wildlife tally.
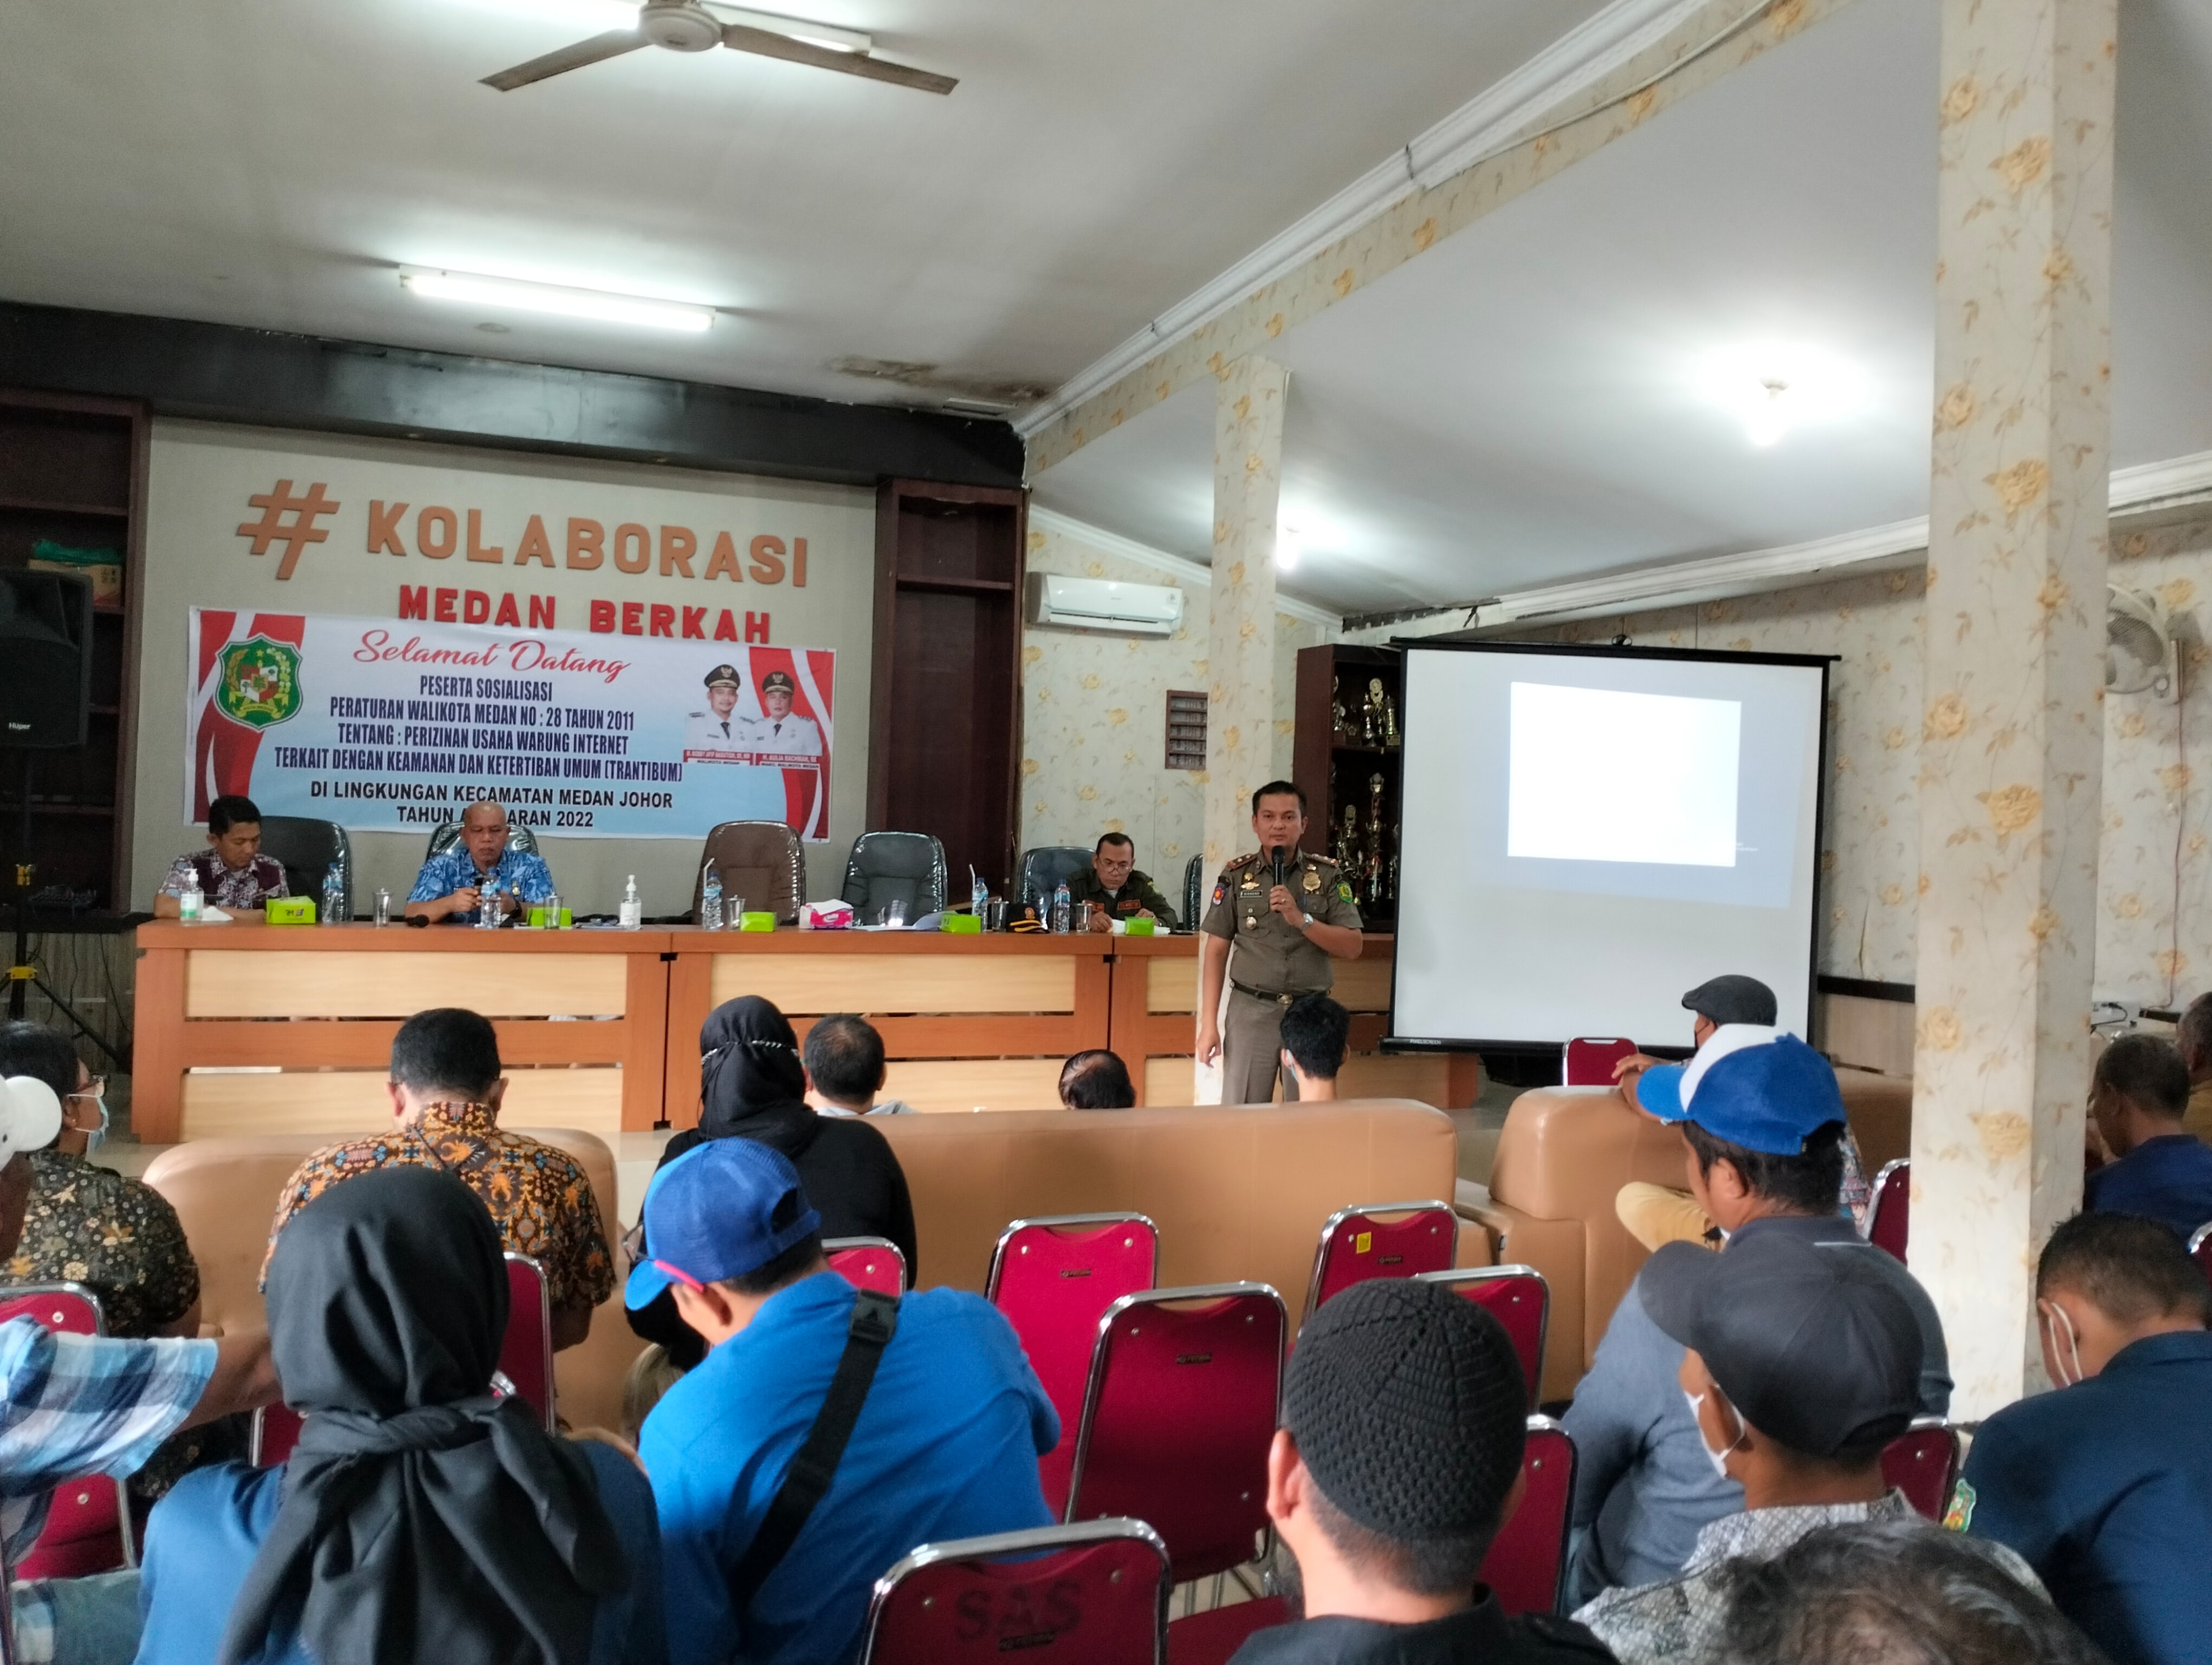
(79, 1405)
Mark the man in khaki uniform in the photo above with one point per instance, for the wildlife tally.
(1273, 943)
(1111, 888)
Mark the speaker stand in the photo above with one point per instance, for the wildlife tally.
(23, 976)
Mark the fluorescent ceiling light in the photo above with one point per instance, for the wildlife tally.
(511, 294)
(595, 16)
(1776, 387)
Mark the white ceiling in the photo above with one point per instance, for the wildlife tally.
(1523, 405)
(271, 163)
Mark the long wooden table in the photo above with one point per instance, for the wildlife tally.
(250, 1028)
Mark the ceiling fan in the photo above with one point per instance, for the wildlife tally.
(686, 25)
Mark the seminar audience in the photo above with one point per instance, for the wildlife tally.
(1096, 1080)
(1762, 1120)
(1398, 1458)
(1316, 1039)
(80, 1405)
(1895, 1591)
(420, 1517)
(1801, 1361)
(2138, 1098)
(2106, 1486)
(753, 1086)
(119, 1237)
(943, 1441)
(445, 1090)
(845, 1068)
(233, 874)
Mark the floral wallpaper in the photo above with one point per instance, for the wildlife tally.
(1094, 717)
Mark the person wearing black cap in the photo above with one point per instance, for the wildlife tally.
(1398, 1458)
(719, 728)
(1763, 1122)
(777, 730)
(1726, 999)
(1801, 1361)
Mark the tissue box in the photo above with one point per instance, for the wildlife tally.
(289, 910)
(760, 922)
(825, 916)
(1134, 927)
(961, 925)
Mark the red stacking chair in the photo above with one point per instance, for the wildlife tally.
(1358, 1243)
(1529, 1558)
(1590, 1060)
(2200, 1249)
(1922, 1462)
(1095, 1593)
(88, 1525)
(1519, 1298)
(275, 1431)
(1889, 1209)
(1177, 1416)
(1054, 1278)
(526, 1354)
(868, 1263)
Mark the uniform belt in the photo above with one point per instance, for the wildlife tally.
(1268, 994)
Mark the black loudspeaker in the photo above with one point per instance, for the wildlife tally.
(45, 646)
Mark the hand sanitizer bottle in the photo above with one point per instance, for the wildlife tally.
(633, 910)
(710, 899)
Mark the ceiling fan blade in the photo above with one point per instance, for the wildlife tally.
(740, 37)
(597, 50)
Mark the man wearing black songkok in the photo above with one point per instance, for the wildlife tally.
(1398, 1458)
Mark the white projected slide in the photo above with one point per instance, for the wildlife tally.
(1586, 834)
(1564, 806)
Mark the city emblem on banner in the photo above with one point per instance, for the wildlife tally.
(257, 683)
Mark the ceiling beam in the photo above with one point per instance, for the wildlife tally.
(1603, 80)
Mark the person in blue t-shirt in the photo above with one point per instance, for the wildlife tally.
(452, 881)
(419, 1517)
(2137, 1100)
(2104, 1487)
(945, 1444)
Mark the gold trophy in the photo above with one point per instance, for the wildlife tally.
(1347, 840)
(1389, 724)
(1370, 714)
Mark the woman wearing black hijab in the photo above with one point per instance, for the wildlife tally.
(752, 1086)
(419, 1517)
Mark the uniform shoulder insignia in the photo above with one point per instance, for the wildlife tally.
(1241, 862)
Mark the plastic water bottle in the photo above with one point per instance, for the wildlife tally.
(710, 899)
(190, 901)
(979, 894)
(487, 906)
(334, 896)
(553, 910)
(633, 908)
(1063, 910)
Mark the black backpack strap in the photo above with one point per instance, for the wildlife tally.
(875, 1321)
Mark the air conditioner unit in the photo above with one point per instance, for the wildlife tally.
(1094, 603)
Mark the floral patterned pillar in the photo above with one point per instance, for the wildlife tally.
(2012, 735)
(1248, 471)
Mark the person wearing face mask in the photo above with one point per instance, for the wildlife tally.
(1799, 1362)
(1762, 1123)
(2105, 1487)
(119, 1237)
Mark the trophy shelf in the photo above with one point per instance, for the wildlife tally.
(1346, 755)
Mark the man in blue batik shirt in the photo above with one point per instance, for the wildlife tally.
(448, 886)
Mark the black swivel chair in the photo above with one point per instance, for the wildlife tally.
(1044, 867)
(894, 867)
(1193, 891)
(305, 848)
(760, 862)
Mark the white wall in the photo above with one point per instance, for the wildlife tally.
(202, 474)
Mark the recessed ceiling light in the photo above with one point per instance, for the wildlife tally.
(512, 294)
(1776, 387)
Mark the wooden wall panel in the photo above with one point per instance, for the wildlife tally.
(917, 982)
(977, 1083)
(221, 983)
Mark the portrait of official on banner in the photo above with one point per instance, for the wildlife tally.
(384, 726)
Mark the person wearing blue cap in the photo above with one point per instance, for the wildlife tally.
(1762, 1122)
(827, 1433)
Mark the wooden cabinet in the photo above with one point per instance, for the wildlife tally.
(1347, 756)
(73, 479)
(945, 707)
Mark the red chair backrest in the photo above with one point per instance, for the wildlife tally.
(275, 1431)
(526, 1354)
(85, 1530)
(1519, 1298)
(1357, 1245)
(1529, 1557)
(867, 1263)
(2200, 1249)
(1889, 1212)
(1177, 1416)
(1590, 1060)
(1922, 1462)
(1054, 1279)
(1090, 1594)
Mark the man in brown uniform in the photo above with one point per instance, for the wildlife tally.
(1111, 888)
(1285, 935)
